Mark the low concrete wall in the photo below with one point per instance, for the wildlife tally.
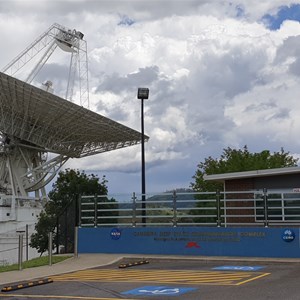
(9, 251)
(206, 241)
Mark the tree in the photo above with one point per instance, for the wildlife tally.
(61, 211)
(238, 160)
(233, 160)
(39, 239)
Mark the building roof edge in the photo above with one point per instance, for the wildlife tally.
(251, 174)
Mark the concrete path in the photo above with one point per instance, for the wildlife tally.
(83, 261)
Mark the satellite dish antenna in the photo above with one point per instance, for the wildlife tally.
(34, 122)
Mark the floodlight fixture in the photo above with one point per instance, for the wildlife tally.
(143, 93)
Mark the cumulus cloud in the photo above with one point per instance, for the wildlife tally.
(217, 76)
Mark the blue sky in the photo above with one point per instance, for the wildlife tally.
(291, 12)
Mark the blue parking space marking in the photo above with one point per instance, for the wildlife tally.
(238, 268)
(159, 291)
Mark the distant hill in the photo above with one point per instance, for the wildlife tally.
(184, 198)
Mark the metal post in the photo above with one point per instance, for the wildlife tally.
(174, 209)
(218, 208)
(225, 205)
(95, 211)
(265, 197)
(27, 238)
(76, 226)
(76, 242)
(76, 210)
(143, 94)
(20, 256)
(57, 235)
(79, 210)
(133, 210)
(66, 230)
(50, 248)
(143, 166)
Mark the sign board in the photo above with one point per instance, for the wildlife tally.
(204, 241)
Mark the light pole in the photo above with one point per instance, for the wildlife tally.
(143, 94)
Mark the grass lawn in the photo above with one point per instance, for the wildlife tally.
(35, 262)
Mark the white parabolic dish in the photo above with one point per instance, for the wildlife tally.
(53, 124)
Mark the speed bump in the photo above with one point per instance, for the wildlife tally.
(26, 285)
(136, 263)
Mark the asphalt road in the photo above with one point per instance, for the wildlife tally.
(163, 279)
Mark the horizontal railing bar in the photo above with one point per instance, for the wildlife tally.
(109, 203)
(243, 224)
(198, 223)
(155, 224)
(158, 216)
(154, 201)
(285, 216)
(113, 209)
(193, 200)
(241, 192)
(111, 224)
(197, 216)
(195, 208)
(201, 208)
(286, 221)
(291, 207)
(158, 209)
(113, 217)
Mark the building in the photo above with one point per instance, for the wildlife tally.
(271, 195)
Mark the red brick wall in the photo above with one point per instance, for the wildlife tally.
(238, 185)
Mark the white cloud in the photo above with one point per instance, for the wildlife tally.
(217, 76)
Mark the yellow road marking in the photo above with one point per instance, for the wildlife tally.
(162, 276)
(254, 278)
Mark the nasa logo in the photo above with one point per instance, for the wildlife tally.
(288, 235)
(115, 233)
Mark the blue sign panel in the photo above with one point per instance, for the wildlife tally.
(204, 241)
(159, 291)
(238, 268)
